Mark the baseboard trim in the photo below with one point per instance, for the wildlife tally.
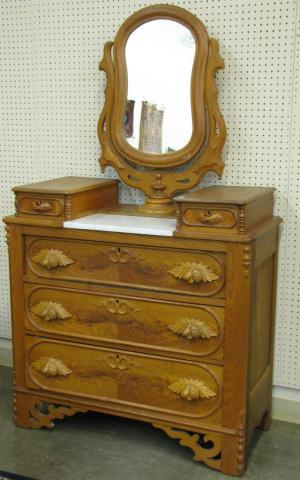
(286, 404)
(6, 358)
(286, 401)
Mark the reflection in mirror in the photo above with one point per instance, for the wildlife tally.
(159, 58)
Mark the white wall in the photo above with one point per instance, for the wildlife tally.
(52, 93)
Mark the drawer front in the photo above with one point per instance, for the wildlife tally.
(39, 205)
(206, 217)
(183, 388)
(169, 270)
(165, 326)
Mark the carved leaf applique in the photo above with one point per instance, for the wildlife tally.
(51, 258)
(193, 272)
(190, 389)
(50, 311)
(191, 328)
(51, 367)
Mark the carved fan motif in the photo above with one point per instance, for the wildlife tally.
(52, 367)
(51, 258)
(192, 328)
(190, 389)
(50, 311)
(193, 272)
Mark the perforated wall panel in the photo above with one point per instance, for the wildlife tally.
(52, 92)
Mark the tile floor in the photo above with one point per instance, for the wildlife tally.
(100, 447)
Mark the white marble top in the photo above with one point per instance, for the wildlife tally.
(106, 222)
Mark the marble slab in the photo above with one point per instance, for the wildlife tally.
(106, 222)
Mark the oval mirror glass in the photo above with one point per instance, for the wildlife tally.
(159, 58)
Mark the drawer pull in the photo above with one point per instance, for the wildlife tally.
(120, 362)
(120, 307)
(192, 272)
(192, 328)
(210, 217)
(51, 258)
(121, 255)
(190, 389)
(41, 206)
(50, 311)
(51, 367)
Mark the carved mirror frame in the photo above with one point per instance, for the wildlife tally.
(156, 174)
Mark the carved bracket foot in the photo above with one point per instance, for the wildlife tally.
(206, 447)
(32, 412)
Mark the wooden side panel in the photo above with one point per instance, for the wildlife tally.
(86, 203)
(261, 321)
(262, 332)
(237, 318)
(16, 265)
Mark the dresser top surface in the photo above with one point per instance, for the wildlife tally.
(65, 185)
(226, 194)
(106, 222)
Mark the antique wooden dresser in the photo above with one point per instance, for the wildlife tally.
(162, 313)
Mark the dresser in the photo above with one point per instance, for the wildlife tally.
(171, 326)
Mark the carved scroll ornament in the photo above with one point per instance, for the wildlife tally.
(190, 389)
(196, 442)
(119, 307)
(51, 258)
(193, 272)
(50, 311)
(192, 328)
(43, 414)
(120, 362)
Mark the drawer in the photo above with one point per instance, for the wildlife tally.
(210, 217)
(40, 205)
(185, 389)
(159, 325)
(168, 270)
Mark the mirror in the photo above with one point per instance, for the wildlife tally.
(159, 56)
(161, 104)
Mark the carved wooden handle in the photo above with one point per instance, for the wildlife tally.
(120, 362)
(192, 328)
(50, 258)
(50, 311)
(209, 217)
(190, 389)
(120, 307)
(192, 272)
(51, 367)
(41, 206)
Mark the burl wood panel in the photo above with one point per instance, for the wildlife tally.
(169, 270)
(123, 377)
(168, 327)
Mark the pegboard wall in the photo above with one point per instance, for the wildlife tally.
(52, 93)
